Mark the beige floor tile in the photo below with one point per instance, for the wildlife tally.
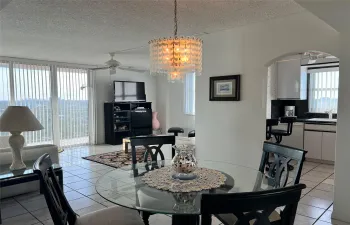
(81, 203)
(89, 175)
(325, 187)
(72, 195)
(35, 205)
(90, 209)
(159, 219)
(309, 184)
(317, 202)
(42, 214)
(25, 219)
(329, 181)
(319, 174)
(303, 220)
(309, 211)
(321, 194)
(305, 191)
(312, 178)
(87, 191)
(79, 185)
(12, 210)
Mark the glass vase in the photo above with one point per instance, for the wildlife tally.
(184, 163)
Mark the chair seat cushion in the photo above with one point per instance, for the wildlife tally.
(279, 132)
(175, 129)
(111, 216)
(230, 219)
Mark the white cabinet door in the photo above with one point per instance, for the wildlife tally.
(328, 146)
(288, 79)
(313, 144)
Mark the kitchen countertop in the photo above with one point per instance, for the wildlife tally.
(320, 121)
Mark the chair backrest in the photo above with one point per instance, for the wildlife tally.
(289, 121)
(60, 210)
(278, 172)
(152, 143)
(269, 124)
(251, 206)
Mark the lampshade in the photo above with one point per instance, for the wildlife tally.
(19, 118)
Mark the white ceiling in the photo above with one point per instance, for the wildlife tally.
(84, 31)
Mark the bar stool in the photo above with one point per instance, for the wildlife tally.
(279, 133)
(192, 133)
(175, 130)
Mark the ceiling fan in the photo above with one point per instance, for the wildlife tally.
(113, 65)
(314, 55)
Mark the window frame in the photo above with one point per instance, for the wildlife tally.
(309, 82)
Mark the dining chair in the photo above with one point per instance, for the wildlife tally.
(278, 170)
(62, 213)
(153, 146)
(250, 208)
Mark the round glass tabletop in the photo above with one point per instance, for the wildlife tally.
(125, 187)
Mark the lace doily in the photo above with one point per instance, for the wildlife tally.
(162, 179)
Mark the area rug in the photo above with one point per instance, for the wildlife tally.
(117, 159)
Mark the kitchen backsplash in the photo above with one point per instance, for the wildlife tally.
(301, 109)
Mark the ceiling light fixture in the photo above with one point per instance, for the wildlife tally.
(176, 56)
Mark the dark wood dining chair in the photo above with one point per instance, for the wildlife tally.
(63, 214)
(252, 207)
(278, 170)
(153, 144)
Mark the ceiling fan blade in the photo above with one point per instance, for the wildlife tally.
(133, 69)
(100, 68)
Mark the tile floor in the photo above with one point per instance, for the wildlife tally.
(80, 175)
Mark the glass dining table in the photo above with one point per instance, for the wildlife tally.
(124, 187)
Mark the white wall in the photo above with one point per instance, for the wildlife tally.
(104, 93)
(170, 98)
(271, 88)
(234, 131)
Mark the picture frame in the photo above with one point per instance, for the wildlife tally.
(224, 88)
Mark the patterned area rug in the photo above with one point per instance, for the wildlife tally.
(117, 159)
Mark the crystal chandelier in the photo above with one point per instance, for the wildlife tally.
(176, 56)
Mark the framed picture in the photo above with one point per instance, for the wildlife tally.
(225, 88)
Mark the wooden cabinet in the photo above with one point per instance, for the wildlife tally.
(313, 144)
(328, 146)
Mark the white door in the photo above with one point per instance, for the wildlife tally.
(328, 146)
(313, 144)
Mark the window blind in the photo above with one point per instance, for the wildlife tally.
(323, 90)
(4, 90)
(190, 94)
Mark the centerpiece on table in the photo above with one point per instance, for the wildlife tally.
(184, 163)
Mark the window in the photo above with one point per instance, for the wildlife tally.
(32, 89)
(323, 90)
(58, 97)
(190, 94)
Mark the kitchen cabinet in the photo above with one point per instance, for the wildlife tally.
(313, 144)
(290, 80)
(319, 141)
(328, 146)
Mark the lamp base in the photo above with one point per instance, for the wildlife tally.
(16, 142)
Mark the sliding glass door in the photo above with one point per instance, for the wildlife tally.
(73, 106)
(58, 96)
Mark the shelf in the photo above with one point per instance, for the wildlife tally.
(120, 131)
(116, 111)
(128, 121)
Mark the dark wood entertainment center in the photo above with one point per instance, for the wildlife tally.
(126, 119)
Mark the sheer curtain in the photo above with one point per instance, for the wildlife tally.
(190, 94)
(323, 90)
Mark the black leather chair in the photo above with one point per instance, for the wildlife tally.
(175, 130)
(62, 213)
(279, 133)
(258, 208)
(269, 124)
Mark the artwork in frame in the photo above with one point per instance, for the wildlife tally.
(225, 88)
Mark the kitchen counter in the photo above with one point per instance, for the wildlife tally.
(319, 121)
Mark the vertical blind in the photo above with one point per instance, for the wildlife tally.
(53, 93)
(73, 106)
(323, 90)
(4, 89)
(190, 94)
(32, 89)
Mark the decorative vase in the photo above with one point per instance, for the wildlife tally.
(184, 163)
(185, 202)
(155, 121)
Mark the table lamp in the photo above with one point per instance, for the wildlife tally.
(16, 119)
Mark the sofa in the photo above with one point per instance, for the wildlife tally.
(29, 153)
